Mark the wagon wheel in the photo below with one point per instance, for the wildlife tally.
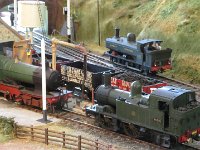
(131, 130)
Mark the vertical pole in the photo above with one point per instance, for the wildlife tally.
(31, 35)
(79, 142)
(15, 14)
(92, 96)
(84, 74)
(68, 21)
(97, 144)
(63, 138)
(46, 136)
(44, 105)
(53, 47)
(98, 23)
(15, 129)
(32, 136)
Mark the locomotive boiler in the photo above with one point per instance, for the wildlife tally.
(29, 74)
(22, 83)
(143, 55)
(167, 116)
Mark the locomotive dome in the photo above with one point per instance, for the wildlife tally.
(131, 37)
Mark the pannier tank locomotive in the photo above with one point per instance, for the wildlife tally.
(143, 55)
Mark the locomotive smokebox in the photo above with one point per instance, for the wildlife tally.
(117, 32)
(107, 79)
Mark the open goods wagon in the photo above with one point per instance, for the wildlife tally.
(124, 80)
(73, 74)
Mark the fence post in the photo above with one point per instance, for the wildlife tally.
(109, 147)
(46, 136)
(15, 129)
(32, 134)
(97, 144)
(79, 142)
(64, 139)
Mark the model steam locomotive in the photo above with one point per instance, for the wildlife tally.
(22, 83)
(167, 116)
(145, 55)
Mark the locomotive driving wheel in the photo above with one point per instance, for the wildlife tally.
(99, 120)
(131, 130)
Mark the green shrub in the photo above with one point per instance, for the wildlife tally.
(6, 125)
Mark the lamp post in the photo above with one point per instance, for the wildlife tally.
(44, 103)
(98, 23)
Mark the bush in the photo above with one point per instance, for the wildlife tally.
(6, 125)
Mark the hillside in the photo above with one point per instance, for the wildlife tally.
(176, 22)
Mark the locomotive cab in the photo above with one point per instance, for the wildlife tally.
(179, 110)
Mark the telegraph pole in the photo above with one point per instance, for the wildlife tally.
(68, 21)
(15, 14)
(98, 23)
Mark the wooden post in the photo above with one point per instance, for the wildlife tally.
(53, 47)
(15, 130)
(79, 142)
(46, 136)
(109, 147)
(32, 136)
(64, 139)
(92, 96)
(97, 144)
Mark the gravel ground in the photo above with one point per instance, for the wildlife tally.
(22, 116)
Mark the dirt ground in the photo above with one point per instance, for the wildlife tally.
(26, 144)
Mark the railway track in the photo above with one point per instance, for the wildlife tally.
(71, 53)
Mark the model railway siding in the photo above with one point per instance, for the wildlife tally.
(69, 53)
(73, 73)
(124, 80)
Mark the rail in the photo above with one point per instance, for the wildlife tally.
(68, 141)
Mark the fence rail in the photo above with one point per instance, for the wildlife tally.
(66, 140)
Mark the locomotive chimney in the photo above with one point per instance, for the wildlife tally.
(117, 32)
(136, 89)
(106, 79)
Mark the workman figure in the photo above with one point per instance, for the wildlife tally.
(12, 18)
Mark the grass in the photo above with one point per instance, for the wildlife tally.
(176, 22)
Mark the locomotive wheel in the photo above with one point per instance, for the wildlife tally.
(131, 130)
(99, 120)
